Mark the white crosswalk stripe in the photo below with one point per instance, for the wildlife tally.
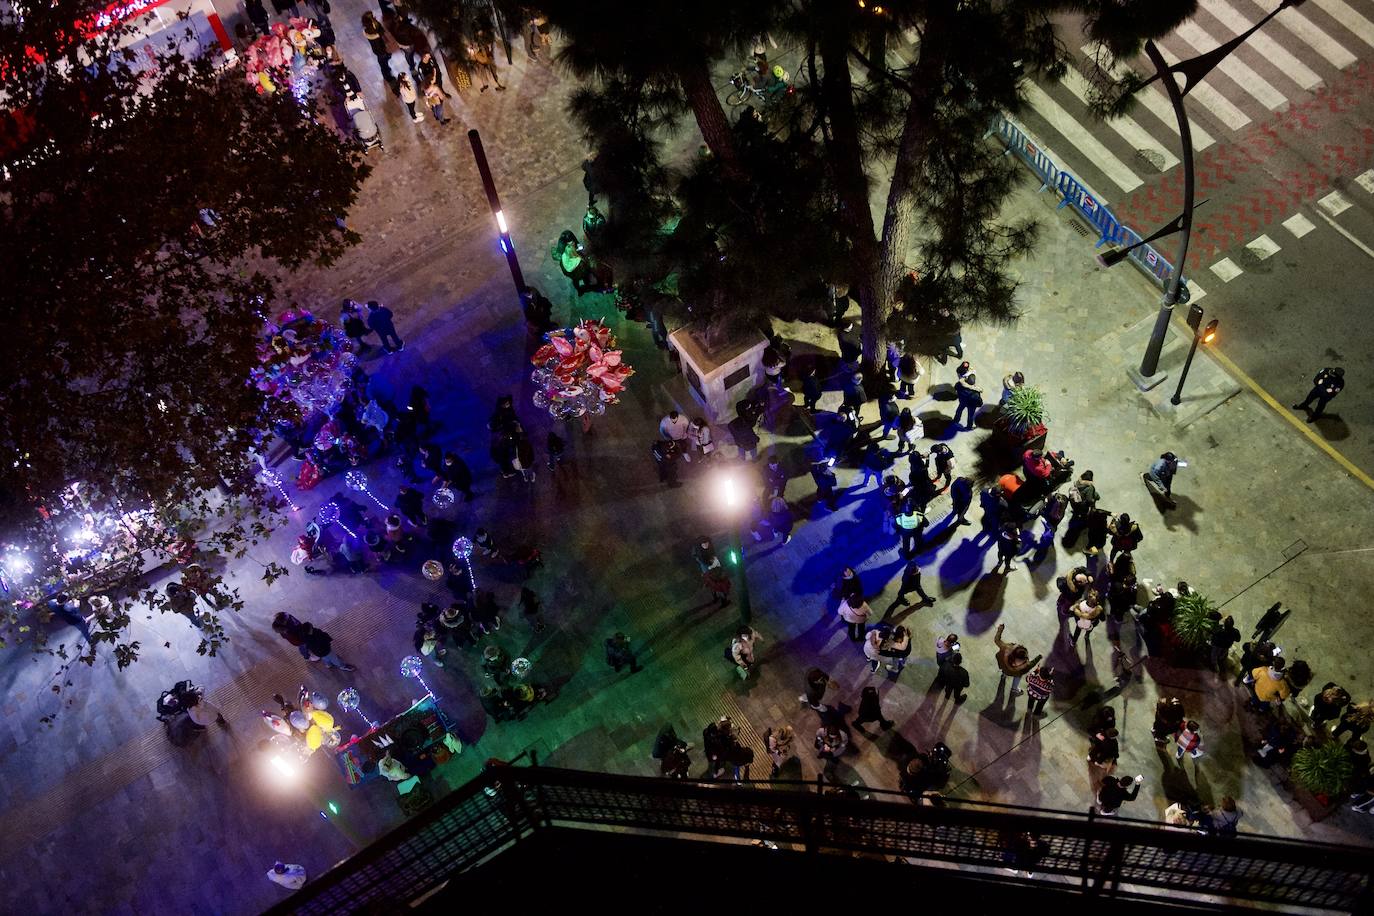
(1296, 22)
(1295, 53)
(1153, 99)
(1349, 19)
(1273, 52)
(1200, 40)
(1212, 100)
(1082, 138)
(1133, 133)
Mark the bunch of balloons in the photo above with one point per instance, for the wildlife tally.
(306, 729)
(578, 371)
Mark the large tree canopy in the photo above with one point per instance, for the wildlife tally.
(941, 249)
(143, 217)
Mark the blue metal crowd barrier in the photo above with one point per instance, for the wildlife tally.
(1111, 231)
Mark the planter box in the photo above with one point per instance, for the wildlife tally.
(720, 376)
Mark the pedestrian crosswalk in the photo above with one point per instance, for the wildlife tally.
(1293, 55)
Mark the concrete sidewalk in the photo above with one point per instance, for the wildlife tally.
(1262, 516)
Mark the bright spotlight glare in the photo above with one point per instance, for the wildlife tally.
(501, 222)
(286, 769)
(728, 491)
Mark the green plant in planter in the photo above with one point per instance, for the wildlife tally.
(1025, 408)
(1192, 622)
(1323, 769)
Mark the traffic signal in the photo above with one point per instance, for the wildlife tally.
(1194, 317)
(1209, 333)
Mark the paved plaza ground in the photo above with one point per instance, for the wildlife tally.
(103, 815)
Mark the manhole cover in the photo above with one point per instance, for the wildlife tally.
(1150, 160)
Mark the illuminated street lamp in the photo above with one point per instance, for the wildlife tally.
(489, 185)
(733, 501)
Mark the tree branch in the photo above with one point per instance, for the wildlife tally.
(882, 71)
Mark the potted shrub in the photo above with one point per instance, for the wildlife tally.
(1193, 624)
(1325, 770)
(1024, 413)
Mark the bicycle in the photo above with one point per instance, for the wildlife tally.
(746, 90)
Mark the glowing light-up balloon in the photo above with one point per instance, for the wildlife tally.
(319, 700)
(411, 666)
(272, 479)
(329, 515)
(357, 480)
(299, 721)
(442, 498)
(520, 668)
(348, 701)
(433, 570)
(333, 739)
(462, 548)
(314, 737)
(321, 718)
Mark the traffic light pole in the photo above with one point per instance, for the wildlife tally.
(1187, 364)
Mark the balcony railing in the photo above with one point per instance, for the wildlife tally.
(1103, 857)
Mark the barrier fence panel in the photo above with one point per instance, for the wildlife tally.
(1106, 857)
(1111, 231)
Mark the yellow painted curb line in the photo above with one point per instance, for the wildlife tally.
(1303, 426)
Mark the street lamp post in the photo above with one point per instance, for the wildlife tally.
(1201, 335)
(734, 505)
(489, 185)
(1193, 71)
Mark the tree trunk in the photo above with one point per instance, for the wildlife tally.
(711, 120)
(846, 157)
(918, 131)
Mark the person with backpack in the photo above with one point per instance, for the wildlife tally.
(1083, 498)
(1126, 534)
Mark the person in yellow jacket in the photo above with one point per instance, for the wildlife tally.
(1270, 684)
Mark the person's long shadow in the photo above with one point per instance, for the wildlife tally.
(1173, 778)
(1332, 427)
(1042, 565)
(962, 566)
(852, 541)
(985, 603)
(1183, 515)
